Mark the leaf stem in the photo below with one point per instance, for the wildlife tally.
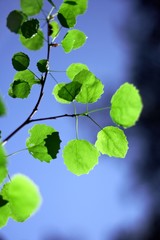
(94, 121)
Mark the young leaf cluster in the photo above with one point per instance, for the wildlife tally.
(20, 197)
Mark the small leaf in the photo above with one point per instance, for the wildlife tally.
(31, 7)
(69, 10)
(19, 89)
(43, 65)
(20, 61)
(34, 43)
(80, 156)
(92, 87)
(15, 20)
(26, 76)
(56, 91)
(74, 39)
(54, 28)
(74, 69)
(126, 105)
(112, 141)
(39, 145)
(3, 164)
(23, 196)
(2, 107)
(69, 91)
(66, 16)
(30, 28)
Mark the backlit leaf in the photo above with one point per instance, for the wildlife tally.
(31, 7)
(42, 139)
(56, 91)
(19, 89)
(29, 28)
(54, 27)
(74, 39)
(26, 76)
(23, 197)
(34, 43)
(3, 164)
(69, 10)
(74, 69)
(20, 61)
(80, 156)
(126, 105)
(43, 65)
(69, 91)
(112, 141)
(92, 87)
(15, 20)
(2, 107)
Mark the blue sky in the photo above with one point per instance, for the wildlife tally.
(91, 206)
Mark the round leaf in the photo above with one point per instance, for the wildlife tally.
(29, 28)
(20, 61)
(23, 196)
(3, 164)
(34, 43)
(74, 39)
(80, 156)
(112, 141)
(56, 91)
(19, 89)
(66, 16)
(31, 7)
(43, 143)
(43, 65)
(92, 87)
(74, 69)
(15, 20)
(126, 105)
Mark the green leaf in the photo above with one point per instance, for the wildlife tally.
(55, 92)
(26, 76)
(31, 7)
(43, 65)
(15, 20)
(69, 10)
(92, 87)
(69, 91)
(2, 201)
(34, 43)
(2, 107)
(112, 141)
(23, 196)
(20, 61)
(126, 105)
(3, 164)
(74, 69)
(4, 214)
(74, 39)
(66, 16)
(42, 139)
(54, 28)
(30, 28)
(80, 156)
(19, 89)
